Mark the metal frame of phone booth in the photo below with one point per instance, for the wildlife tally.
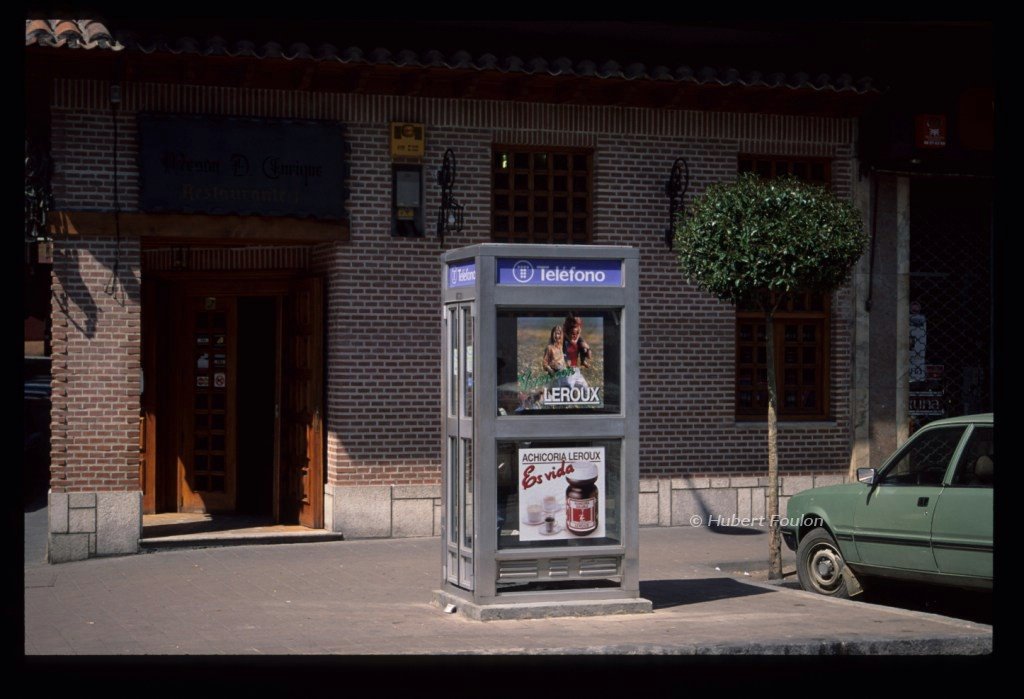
(514, 432)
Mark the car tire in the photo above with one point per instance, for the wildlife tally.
(820, 565)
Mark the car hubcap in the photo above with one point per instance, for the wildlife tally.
(826, 568)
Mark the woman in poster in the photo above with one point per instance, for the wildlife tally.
(554, 355)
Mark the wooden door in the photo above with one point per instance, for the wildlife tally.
(302, 415)
(206, 406)
(147, 402)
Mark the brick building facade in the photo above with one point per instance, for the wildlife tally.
(381, 466)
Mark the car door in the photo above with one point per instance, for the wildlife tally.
(893, 523)
(962, 524)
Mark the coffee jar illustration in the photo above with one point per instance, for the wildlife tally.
(581, 499)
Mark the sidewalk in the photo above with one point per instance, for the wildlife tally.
(372, 597)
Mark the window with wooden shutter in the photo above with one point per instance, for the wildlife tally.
(801, 360)
(541, 195)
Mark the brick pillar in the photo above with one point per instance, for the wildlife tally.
(95, 505)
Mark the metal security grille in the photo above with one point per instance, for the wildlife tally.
(950, 362)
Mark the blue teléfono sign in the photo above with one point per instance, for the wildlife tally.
(461, 275)
(541, 272)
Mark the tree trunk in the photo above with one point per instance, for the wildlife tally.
(774, 538)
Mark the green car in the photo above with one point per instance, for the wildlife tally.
(925, 515)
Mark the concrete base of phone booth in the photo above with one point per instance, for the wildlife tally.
(540, 610)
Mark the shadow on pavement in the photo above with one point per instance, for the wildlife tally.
(674, 593)
(742, 531)
(970, 605)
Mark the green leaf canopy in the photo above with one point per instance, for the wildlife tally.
(744, 240)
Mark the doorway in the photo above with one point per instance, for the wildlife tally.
(256, 402)
(232, 398)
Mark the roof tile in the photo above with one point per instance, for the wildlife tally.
(433, 58)
(73, 33)
(512, 64)
(461, 59)
(299, 50)
(352, 54)
(90, 33)
(406, 58)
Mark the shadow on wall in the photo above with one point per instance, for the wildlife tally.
(120, 284)
(714, 526)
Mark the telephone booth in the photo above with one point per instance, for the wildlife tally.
(541, 417)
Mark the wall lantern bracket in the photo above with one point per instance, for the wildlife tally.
(38, 195)
(675, 189)
(450, 213)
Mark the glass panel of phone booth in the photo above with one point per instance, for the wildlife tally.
(538, 486)
(558, 362)
(459, 445)
(466, 439)
(453, 361)
(467, 362)
(452, 495)
(452, 482)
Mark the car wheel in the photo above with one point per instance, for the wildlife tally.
(820, 566)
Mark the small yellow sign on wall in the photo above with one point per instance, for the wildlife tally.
(407, 140)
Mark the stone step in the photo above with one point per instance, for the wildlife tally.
(238, 537)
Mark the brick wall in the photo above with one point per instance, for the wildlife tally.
(83, 149)
(686, 346)
(382, 293)
(383, 318)
(95, 366)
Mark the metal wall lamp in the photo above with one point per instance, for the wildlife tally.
(450, 213)
(675, 189)
(38, 195)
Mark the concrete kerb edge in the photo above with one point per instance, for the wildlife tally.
(778, 586)
(540, 610)
(953, 645)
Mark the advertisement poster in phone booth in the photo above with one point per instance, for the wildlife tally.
(561, 493)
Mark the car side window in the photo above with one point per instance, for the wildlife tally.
(976, 468)
(924, 460)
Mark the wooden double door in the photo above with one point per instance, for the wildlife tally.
(233, 397)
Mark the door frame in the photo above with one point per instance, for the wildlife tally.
(163, 321)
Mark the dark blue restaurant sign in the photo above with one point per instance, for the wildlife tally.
(541, 272)
(225, 165)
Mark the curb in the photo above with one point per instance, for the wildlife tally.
(953, 645)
